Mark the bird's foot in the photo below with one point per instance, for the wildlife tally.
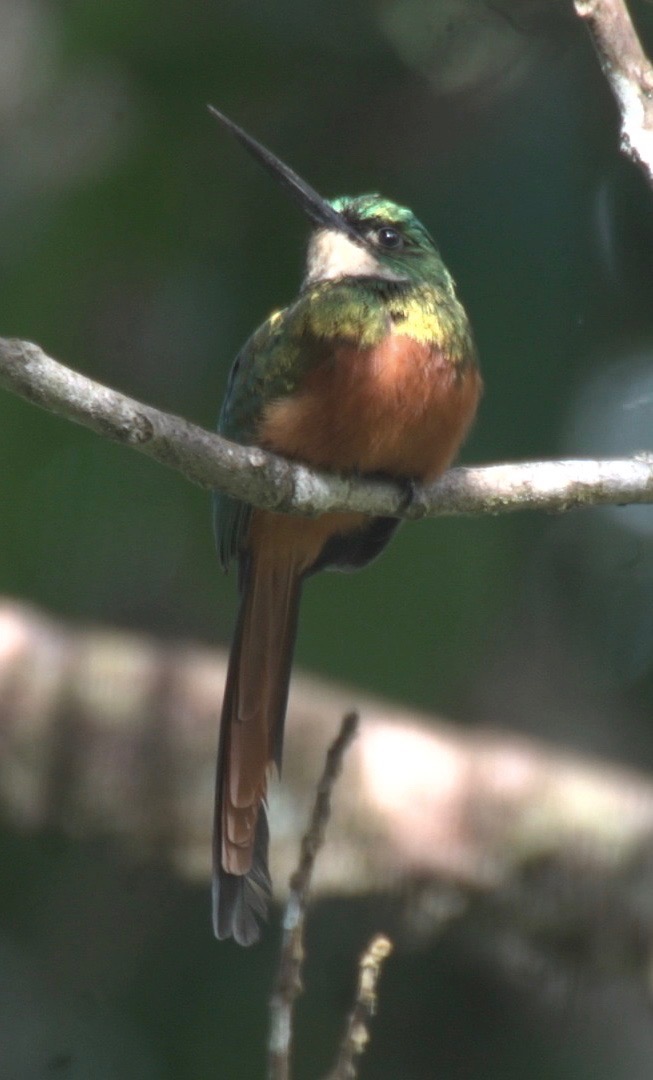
(408, 488)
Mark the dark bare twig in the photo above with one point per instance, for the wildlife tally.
(629, 73)
(289, 986)
(357, 1033)
(273, 483)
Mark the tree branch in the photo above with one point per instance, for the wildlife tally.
(268, 481)
(357, 1033)
(114, 735)
(629, 73)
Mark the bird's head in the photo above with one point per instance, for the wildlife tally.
(388, 242)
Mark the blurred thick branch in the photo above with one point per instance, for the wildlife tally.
(111, 734)
(268, 481)
(629, 73)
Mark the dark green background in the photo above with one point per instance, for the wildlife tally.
(141, 246)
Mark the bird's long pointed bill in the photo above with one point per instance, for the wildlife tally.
(317, 208)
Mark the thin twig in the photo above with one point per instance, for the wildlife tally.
(289, 984)
(629, 73)
(357, 1033)
(270, 482)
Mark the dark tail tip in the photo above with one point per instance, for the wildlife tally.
(240, 903)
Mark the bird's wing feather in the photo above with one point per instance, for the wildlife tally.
(266, 368)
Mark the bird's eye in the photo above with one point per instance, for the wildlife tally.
(389, 238)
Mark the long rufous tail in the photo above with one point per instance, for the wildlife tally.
(251, 736)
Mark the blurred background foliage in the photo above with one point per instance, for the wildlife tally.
(139, 245)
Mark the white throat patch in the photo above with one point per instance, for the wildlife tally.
(331, 255)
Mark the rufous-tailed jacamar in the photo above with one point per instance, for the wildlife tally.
(370, 371)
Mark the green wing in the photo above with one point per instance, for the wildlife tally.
(267, 367)
(272, 365)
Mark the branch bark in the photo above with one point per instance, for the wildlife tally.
(629, 73)
(271, 482)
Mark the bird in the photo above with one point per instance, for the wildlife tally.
(371, 371)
